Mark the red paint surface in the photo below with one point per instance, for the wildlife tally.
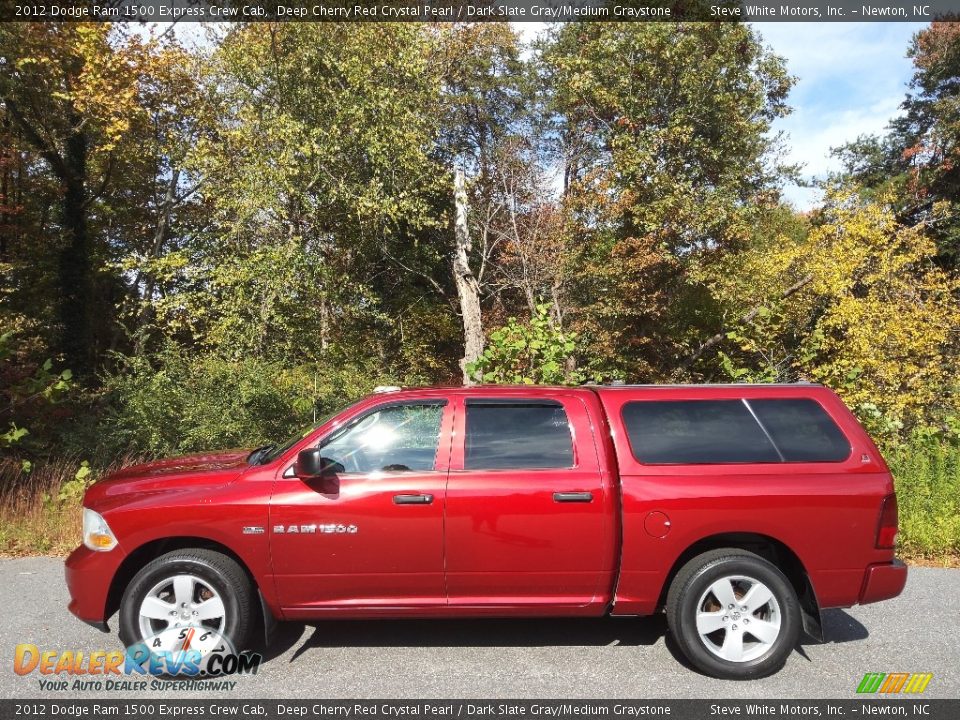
(496, 542)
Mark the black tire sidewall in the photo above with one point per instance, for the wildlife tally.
(786, 598)
(236, 627)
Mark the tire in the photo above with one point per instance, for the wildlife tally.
(719, 640)
(202, 576)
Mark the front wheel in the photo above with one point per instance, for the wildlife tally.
(188, 600)
(733, 614)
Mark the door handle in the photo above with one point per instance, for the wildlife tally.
(568, 497)
(412, 499)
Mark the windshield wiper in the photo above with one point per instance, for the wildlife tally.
(257, 456)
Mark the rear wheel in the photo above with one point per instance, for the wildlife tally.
(188, 599)
(733, 614)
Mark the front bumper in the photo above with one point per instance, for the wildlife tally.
(883, 581)
(89, 575)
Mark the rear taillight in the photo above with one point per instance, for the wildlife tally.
(887, 528)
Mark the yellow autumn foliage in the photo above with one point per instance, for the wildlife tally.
(874, 318)
(889, 336)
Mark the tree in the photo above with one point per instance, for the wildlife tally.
(323, 200)
(79, 97)
(468, 289)
(664, 130)
(481, 105)
(917, 164)
(857, 303)
(68, 92)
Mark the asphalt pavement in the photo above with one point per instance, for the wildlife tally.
(539, 659)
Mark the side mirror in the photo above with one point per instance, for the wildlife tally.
(312, 464)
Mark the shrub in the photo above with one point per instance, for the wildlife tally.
(178, 402)
(534, 351)
(40, 507)
(927, 475)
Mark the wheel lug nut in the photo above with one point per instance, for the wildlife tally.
(734, 627)
(730, 606)
(195, 612)
(173, 613)
(725, 618)
(745, 621)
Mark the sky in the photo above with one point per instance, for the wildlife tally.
(851, 79)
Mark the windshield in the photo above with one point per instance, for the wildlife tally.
(269, 453)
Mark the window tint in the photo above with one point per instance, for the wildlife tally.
(802, 430)
(517, 435)
(394, 438)
(696, 431)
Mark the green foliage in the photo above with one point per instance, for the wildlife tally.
(72, 490)
(765, 374)
(927, 475)
(529, 352)
(870, 314)
(232, 240)
(914, 166)
(184, 402)
(28, 394)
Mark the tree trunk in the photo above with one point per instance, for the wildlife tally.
(468, 289)
(75, 265)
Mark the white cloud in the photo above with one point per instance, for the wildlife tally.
(851, 79)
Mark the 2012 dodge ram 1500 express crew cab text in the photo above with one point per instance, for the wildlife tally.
(740, 510)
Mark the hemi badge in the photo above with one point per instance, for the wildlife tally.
(253, 530)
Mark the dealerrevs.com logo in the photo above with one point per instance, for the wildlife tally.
(894, 683)
(191, 655)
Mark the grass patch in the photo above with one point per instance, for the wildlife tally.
(40, 511)
(927, 476)
(33, 520)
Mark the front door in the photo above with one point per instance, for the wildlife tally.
(372, 536)
(529, 521)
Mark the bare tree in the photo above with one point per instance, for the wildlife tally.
(468, 289)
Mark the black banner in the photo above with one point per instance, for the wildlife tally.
(475, 10)
(296, 709)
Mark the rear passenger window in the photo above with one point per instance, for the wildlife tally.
(507, 435)
(802, 430)
(696, 431)
(733, 431)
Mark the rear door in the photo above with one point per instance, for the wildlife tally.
(529, 520)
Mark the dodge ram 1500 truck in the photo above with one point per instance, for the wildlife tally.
(740, 510)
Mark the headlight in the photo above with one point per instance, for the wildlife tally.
(97, 535)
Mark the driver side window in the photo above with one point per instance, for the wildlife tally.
(396, 438)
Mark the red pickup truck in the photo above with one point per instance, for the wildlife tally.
(740, 510)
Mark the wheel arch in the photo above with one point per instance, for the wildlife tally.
(153, 549)
(769, 548)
